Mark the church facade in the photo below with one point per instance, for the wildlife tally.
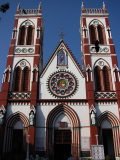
(60, 108)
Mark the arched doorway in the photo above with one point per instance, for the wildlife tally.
(63, 133)
(109, 133)
(15, 136)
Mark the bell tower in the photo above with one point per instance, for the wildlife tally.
(24, 63)
(25, 56)
(100, 65)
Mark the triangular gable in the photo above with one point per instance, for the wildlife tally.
(62, 46)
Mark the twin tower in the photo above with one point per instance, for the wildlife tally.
(60, 108)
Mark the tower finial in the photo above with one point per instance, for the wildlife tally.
(82, 7)
(104, 7)
(40, 6)
(61, 35)
(18, 7)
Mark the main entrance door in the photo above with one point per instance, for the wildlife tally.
(17, 146)
(62, 144)
(108, 143)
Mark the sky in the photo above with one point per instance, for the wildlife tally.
(57, 14)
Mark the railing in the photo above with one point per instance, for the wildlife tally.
(105, 95)
(93, 10)
(29, 11)
(19, 95)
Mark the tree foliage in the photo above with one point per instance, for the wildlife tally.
(4, 7)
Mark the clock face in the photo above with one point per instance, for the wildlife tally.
(62, 84)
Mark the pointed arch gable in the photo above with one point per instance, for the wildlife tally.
(26, 23)
(17, 116)
(101, 63)
(92, 22)
(26, 64)
(107, 115)
(64, 109)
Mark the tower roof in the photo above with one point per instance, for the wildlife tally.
(25, 12)
(94, 11)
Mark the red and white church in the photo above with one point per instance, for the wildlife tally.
(60, 108)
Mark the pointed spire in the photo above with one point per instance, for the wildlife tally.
(40, 6)
(18, 7)
(82, 7)
(104, 7)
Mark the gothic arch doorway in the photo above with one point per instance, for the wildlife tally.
(15, 136)
(109, 133)
(63, 132)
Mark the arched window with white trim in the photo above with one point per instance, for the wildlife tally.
(97, 76)
(100, 34)
(21, 78)
(92, 31)
(26, 33)
(106, 78)
(17, 79)
(26, 79)
(29, 35)
(21, 40)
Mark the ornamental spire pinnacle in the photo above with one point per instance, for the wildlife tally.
(104, 7)
(40, 6)
(82, 7)
(18, 7)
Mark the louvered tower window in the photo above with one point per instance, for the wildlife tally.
(22, 35)
(106, 77)
(29, 35)
(100, 34)
(25, 79)
(92, 34)
(97, 78)
(17, 85)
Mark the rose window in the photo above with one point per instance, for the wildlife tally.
(62, 84)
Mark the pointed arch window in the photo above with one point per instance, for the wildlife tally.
(100, 34)
(29, 35)
(92, 31)
(97, 78)
(106, 78)
(25, 79)
(18, 75)
(103, 79)
(26, 35)
(21, 79)
(22, 35)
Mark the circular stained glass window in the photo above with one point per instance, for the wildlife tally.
(62, 84)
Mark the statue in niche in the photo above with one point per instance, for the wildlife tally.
(61, 58)
(31, 118)
(1, 117)
(93, 120)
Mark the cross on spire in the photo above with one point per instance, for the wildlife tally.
(61, 34)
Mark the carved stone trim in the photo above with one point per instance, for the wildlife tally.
(13, 95)
(105, 95)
